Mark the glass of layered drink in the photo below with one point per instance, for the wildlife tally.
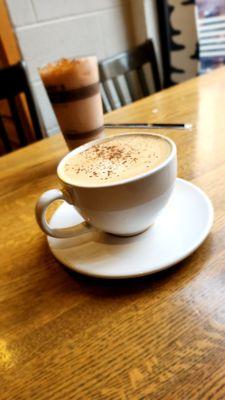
(73, 89)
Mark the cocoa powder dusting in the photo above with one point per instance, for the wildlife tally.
(116, 159)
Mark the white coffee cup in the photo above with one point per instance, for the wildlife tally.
(123, 208)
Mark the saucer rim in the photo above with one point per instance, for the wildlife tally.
(162, 267)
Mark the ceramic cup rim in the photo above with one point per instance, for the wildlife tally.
(88, 145)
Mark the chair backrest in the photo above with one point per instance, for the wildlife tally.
(14, 81)
(120, 85)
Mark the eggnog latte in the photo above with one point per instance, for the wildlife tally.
(116, 159)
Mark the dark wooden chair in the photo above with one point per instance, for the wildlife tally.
(117, 92)
(13, 81)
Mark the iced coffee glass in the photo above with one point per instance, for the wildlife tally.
(73, 89)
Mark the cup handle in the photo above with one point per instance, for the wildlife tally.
(43, 202)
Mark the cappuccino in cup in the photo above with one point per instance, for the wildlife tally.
(118, 185)
(115, 160)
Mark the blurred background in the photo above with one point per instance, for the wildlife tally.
(188, 38)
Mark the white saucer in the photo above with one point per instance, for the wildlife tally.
(180, 229)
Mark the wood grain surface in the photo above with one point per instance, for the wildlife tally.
(63, 336)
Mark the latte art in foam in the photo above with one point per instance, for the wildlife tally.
(116, 159)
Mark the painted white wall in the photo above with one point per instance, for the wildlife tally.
(48, 30)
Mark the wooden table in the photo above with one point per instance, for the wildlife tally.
(63, 336)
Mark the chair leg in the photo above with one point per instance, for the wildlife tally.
(4, 137)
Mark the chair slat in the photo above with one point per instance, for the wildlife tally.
(130, 86)
(33, 113)
(14, 81)
(16, 118)
(119, 92)
(155, 70)
(105, 102)
(4, 137)
(104, 99)
(143, 82)
(111, 99)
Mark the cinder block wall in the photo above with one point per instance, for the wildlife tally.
(49, 29)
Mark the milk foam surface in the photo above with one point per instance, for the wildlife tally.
(119, 158)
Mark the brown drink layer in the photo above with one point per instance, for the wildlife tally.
(73, 89)
(116, 159)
